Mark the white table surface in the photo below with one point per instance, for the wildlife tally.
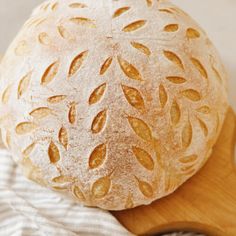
(217, 17)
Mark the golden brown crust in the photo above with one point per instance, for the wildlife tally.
(116, 102)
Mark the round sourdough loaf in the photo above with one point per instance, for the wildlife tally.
(116, 102)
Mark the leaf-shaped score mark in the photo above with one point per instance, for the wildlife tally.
(50, 73)
(64, 33)
(188, 159)
(188, 170)
(149, 3)
(145, 188)
(171, 28)
(105, 65)
(72, 113)
(157, 149)
(204, 109)
(32, 172)
(203, 126)
(141, 47)
(22, 48)
(39, 21)
(192, 33)
(99, 122)
(192, 95)
(83, 21)
(56, 99)
(63, 179)
(8, 139)
(217, 75)
(101, 187)
(120, 11)
(78, 193)
(178, 11)
(77, 5)
(143, 158)
(129, 69)
(140, 128)
(44, 38)
(134, 97)
(63, 137)
(171, 182)
(24, 84)
(77, 63)
(41, 112)
(199, 67)
(25, 128)
(162, 95)
(176, 79)
(6, 94)
(61, 188)
(129, 202)
(165, 10)
(34, 22)
(187, 133)
(55, 6)
(174, 58)
(134, 26)
(45, 6)
(53, 153)
(29, 149)
(97, 94)
(175, 113)
(97, 156)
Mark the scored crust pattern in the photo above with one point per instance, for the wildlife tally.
(117, 102)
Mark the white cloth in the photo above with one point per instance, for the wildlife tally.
(27, 209)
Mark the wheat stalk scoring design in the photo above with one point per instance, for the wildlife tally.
(69, 106)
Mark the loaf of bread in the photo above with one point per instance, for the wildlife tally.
(115, 102)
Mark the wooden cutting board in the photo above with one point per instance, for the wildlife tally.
(206, 203)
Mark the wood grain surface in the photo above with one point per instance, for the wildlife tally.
(206, 203)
